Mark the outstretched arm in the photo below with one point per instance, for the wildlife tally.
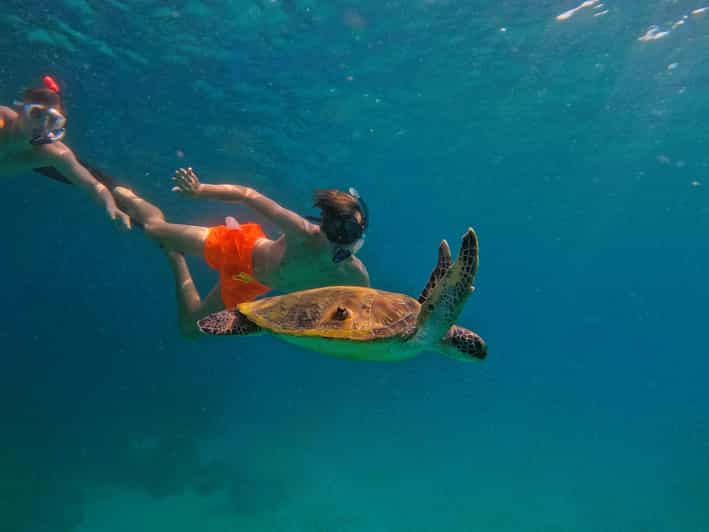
(190, 307)
(288, 221)
(69, 166)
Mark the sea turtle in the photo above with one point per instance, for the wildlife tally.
(367, 324)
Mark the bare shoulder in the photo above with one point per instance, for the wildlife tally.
(309, 231)
(306, 233)
(355, 272)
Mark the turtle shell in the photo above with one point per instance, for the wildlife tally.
(346, 312)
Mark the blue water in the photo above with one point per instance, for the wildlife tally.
(577, 149)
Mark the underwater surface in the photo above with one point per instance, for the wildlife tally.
(573, 138)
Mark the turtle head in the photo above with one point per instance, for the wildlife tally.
(463, 344)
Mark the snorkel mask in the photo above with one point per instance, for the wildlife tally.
(346, 235)
(47, 122)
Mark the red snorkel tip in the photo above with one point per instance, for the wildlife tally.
(51, 84)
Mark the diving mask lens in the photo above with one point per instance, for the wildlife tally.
(55, 120)
(52, 129)
(345, 231)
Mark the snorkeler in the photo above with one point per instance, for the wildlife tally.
(311, 252)
(30, 139)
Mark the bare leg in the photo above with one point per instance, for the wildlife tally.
(190, 307)
(185, 238)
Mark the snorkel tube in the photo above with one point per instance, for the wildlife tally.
(51, 84)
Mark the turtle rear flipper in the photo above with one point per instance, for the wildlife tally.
(463, 344)
(227, 322)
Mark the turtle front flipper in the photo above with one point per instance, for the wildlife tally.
(227, 322)
(444, 263)
(445, 300)
(463, 344)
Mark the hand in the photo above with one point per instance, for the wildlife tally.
(121, 219)
(187, 183)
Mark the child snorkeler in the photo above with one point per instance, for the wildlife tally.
(31, 136)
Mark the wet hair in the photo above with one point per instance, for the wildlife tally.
(44, 96)
(339, 216)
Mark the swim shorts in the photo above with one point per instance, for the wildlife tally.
(230, 252)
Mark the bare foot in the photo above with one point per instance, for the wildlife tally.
(137, 208)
